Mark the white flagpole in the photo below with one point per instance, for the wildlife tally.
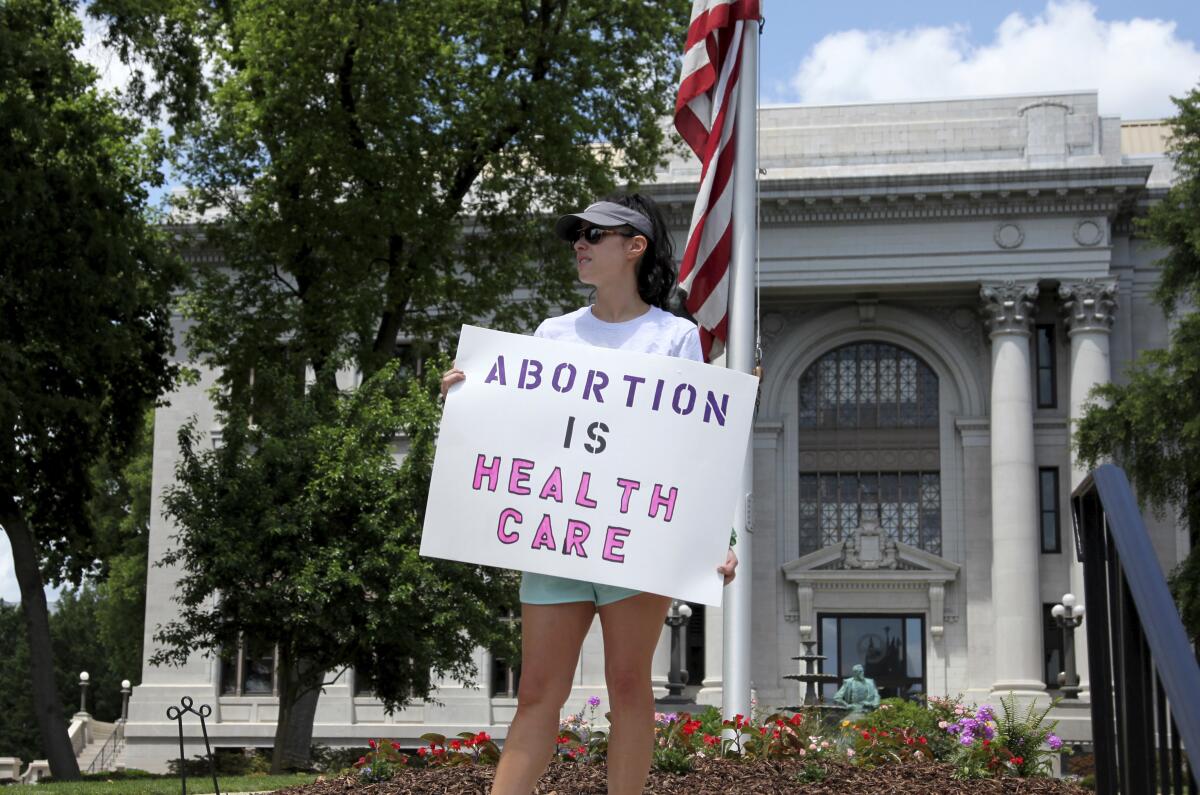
(739, 355)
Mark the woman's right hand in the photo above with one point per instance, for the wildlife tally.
(450, 378)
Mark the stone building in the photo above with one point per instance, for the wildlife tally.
(941, 285)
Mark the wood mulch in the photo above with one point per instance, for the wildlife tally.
(711, 777)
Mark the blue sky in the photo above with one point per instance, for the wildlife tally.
(1134, 54)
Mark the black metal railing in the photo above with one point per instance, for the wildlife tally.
(1145, 682)
(110, 751)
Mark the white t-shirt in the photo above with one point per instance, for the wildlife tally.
(656, 331)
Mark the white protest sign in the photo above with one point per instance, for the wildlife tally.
(589, 463)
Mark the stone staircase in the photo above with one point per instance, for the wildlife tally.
(98, 746)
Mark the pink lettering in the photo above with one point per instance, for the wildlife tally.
(505, 536)
(581, 495)
(657, 500)
(491, 472)
(628, 488)
(518, 475)
(553, 489)
(577, 533)
(543, 537)
(614, 542)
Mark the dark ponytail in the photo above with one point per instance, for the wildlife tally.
(656, 273)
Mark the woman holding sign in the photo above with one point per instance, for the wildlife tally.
(623, 250)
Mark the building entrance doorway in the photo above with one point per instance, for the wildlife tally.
(889, 647)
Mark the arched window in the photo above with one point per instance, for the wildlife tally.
(868, 440)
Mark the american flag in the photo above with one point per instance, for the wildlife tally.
(705, 112)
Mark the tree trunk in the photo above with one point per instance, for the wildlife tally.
(51, 724)
(299, 689)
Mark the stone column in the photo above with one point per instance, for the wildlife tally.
(1088, 309)
(1016, 601)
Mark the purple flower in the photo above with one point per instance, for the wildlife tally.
(967, 738)
(594, 701)
(985, 713)
(1054, 741)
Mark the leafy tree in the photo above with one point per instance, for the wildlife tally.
(85, 282)
(18, 724)
(382, 173)
(120, 508)
(1151, 423)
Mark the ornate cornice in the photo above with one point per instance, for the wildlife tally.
(1008, 307)
(1091, 191)
(1088, 305)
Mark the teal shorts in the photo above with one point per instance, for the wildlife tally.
(546, 589)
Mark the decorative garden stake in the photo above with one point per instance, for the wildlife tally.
(176, 714)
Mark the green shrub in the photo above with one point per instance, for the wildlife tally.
(672, 759)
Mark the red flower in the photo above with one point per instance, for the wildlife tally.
(908, 741)
(371, 743)
(362, 760)
(422, 751)
(866, 735)
(395, 746)
(1017, 760)
(796, 719)
(775, 733)
(482, 737)
(762, 730)
(439, 751)
(922, 741)
(710, 739)
(779, 721)
(455, 745)
(986, 743)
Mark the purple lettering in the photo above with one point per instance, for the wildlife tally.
(569, 369)
(505, 536)
(633, 381)
(543, 537)
(657, 395)
(553, 489)
(614, 542)
(518, 475)
(582, 499)
(628, 488)
(531, 374)
(690, 391)
(491, 472)
(497, 372)
(657, 500)
(596, 381)
(577, 533)
(711, 407)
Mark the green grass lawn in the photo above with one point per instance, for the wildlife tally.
(161, 786)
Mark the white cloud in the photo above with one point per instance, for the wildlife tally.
(9, 590)
(114, 73)
(1135, 64)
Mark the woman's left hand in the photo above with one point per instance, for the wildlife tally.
(729, 567)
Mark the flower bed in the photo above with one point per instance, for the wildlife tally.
(944, 746)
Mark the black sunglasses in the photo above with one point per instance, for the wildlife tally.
(594, 234)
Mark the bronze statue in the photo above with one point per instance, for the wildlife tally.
(857, 692)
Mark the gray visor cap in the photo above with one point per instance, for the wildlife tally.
(603, 214)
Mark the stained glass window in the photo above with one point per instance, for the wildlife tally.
(868, 426)
(908, 506)
(869, 385)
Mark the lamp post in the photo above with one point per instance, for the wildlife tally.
(1068, 615)
(126, 689)
(677, 618)
(83, 686)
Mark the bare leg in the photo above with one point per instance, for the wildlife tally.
(631, 630)
(551, 636)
